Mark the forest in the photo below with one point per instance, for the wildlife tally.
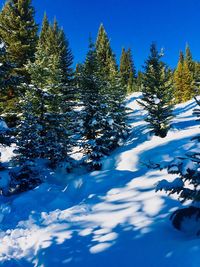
(58, 119)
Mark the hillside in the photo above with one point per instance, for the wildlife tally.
(111, 217)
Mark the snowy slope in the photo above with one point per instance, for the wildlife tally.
(107, 218)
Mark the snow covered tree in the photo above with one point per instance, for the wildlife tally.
(103, 111)
(43, 131)
(25, 175)
(113, 89)
(94, 110)
(157, 93)
(48, 101)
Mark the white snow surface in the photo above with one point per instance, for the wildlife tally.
(111, 217)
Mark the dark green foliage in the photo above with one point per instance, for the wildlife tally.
(7, 80)
(189, 60)
(127, 71)
(197, 79)
(19, 32)
(139, 80)
(157, 93)
(103, 111)
(43, 131)
(93, 113)
(54, 42)
(184, 77)
(46, 110)
(105, 55)
(23, 178)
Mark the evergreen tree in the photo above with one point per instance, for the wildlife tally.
(7, 80)
(184, 76)
(103, 113)
(139, 80)
(93, 113)
(179, 80)
(113, 90)
(54, 41)
(157, 93)
(105, 55)
(189, 60)
(127, 70)
(197, 78)
(43, 132)
(181, 57)
(49, 110)
(44, 31)
(188, 85)
(19, 32)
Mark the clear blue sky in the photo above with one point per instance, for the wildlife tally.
(129, 23)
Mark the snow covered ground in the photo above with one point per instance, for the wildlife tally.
(108, 218)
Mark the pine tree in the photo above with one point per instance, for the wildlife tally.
(113, 90)
(7, 80)
(93, 113)
(179, 80)
(184, 78)
(189, 60)
(105, 55)
(44, 31)
(19, 32)
(157, 93)
(139, 80)
(181, 57)
(43, 132)
(48, 100)
(188, 85)
(103, 113)
(127, 70)
(54, 41)
(197, 78)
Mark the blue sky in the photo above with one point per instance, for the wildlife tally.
(129, 23)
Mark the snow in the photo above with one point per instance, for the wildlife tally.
(3, 126)
(105, 218)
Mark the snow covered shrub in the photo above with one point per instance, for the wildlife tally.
(187, 184)
(23, 178)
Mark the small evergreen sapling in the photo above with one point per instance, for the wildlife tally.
(187, 184)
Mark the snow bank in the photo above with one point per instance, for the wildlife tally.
(108, 218)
